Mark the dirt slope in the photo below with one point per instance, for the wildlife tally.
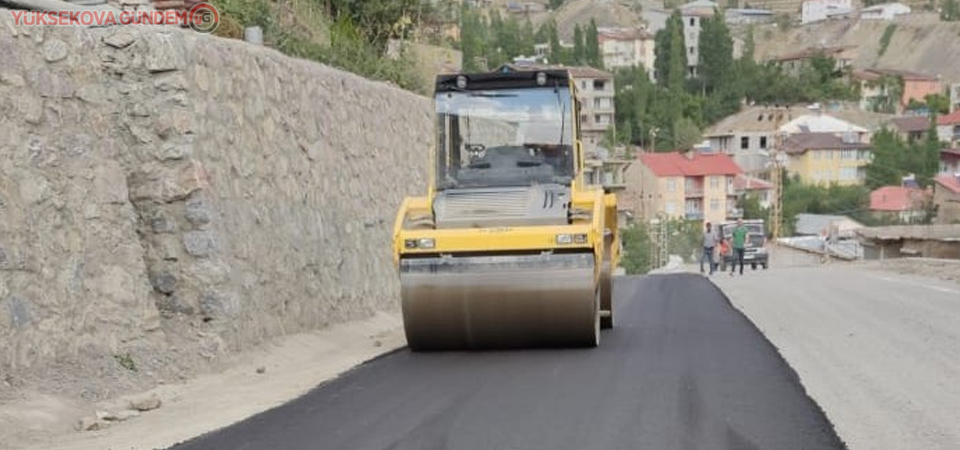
(920, 43)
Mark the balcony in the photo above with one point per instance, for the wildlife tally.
(694, 215)
(693, 192)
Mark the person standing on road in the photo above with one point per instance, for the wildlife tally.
(724, 251)
(709, 242)
(739, 237)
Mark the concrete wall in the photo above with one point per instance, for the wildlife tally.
(154, 175)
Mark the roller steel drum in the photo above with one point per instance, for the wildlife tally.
(548, 300)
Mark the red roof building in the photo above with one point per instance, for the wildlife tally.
(946, 198)
(690, 164)
(949, 119)
(900, 203)
(691, 185)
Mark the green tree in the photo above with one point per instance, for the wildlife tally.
(888, 154)
(528, 39)
(377, 20)
(716, 55)
(592, 43)
(750, 204)
(636, 249)
(579, 48)
(473, 38)
(670, 63)
(950, 12)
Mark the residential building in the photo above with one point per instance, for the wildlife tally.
(693, 14)
(689, 185)
(819, 10)
(946, 198)
(874, 92)
(525, 7)
(948, 128)
(900, 203)
(825, 123)
(886, 11)
(745, 184)
(928, 241)
(747, 16)
(825, 158)
(795, 62)
(596, 92)
(627, 47)
(949, 161)
(823, 224)
(911, 128)
(749, 135)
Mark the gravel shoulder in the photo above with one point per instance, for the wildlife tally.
(269, 377)
(878, 350)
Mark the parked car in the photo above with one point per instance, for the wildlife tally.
(756, 253)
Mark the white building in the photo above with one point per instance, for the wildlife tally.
(735, 16)
(693, 14)
(627, 47)
(886, 11)
(817, 10)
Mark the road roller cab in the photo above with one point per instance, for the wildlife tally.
(509, 248)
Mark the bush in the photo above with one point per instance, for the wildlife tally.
(308, 34)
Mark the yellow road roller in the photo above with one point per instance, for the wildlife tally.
(510, 247)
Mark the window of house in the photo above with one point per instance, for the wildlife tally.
(744, 142)
(671, 185)
(714, 205)
(583, 85)
(763, 142)
(598, 85)
(692, 49)
(671, 208)
(849, 154)
(714, 182)
(693, 21)
(848, 173)
(730, 184)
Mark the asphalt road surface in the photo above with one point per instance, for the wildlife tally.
(682, 370)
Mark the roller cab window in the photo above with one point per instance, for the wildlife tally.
(504, 137)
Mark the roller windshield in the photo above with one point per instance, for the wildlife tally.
(504, 137)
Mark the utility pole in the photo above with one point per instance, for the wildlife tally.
(777, 157)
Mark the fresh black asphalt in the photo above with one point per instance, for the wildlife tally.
(682, 369)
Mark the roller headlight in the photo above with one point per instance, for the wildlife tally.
(426, 243)
(567, 239)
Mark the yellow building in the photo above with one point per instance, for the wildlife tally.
(693, 186)
(825, 158)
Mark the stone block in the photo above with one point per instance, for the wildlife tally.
(201, 244)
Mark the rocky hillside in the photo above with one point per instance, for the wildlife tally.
(920, 42)
(168, 197)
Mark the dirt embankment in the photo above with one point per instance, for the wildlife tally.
(920, 42)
